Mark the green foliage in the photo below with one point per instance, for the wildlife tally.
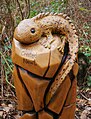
(78, 96)
(86, 49)
(89, 81)
(52, 6)
(18, 19)
(33, 13)
(57, 6)
(83, 9)
(87, 52)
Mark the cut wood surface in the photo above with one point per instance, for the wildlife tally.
(36, 58)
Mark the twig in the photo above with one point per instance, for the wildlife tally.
(2, 22)
(1, 72)
(8, 81)
(6, 61)
(85, 34)
(6, 99)
(11, 17)
(76, 116)
(20, 9)
(28, 9)
(85, 97)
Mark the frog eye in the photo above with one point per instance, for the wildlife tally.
(32, 30)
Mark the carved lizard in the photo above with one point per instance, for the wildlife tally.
(31, 30)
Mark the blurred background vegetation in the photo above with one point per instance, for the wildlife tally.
(13, 11)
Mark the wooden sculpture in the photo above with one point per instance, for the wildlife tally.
(45, 56)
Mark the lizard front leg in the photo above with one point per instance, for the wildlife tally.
(62, 45)
(50, 38)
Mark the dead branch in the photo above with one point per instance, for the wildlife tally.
(28, 9)
(20, 9)
(10, 15)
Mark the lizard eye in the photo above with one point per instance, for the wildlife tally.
(32, 30)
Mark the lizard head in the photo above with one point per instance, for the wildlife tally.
(27, 31)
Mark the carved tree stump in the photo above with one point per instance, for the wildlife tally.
(45, 67)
